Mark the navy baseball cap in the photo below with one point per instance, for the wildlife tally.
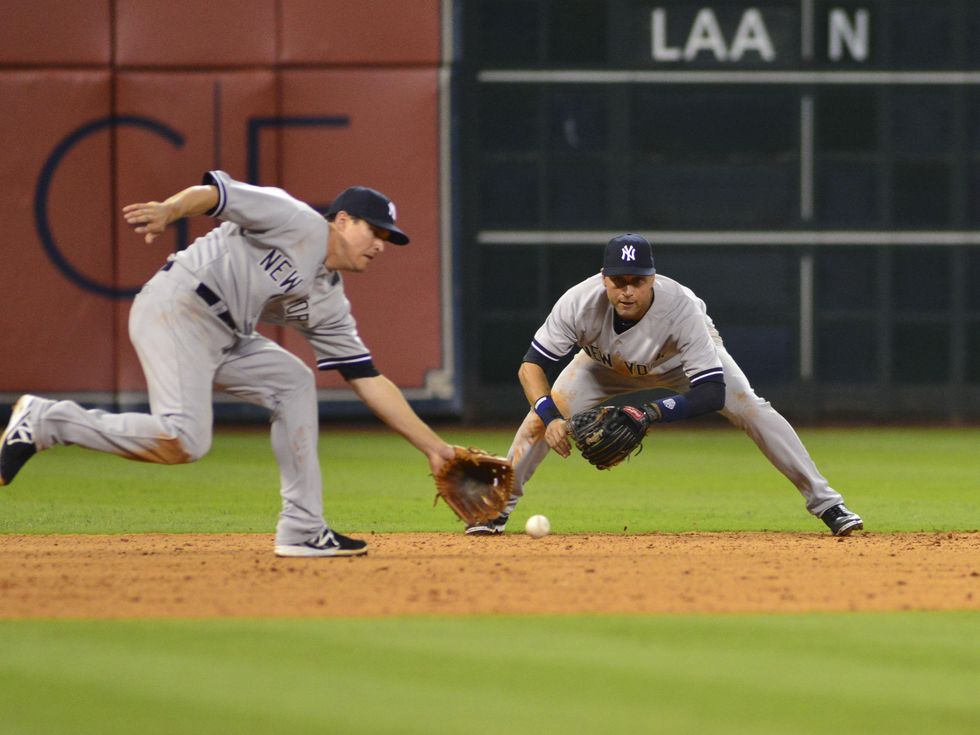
(628, 255)
(372, 207)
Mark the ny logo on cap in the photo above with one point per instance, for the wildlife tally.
(391, 211)
(629, 252)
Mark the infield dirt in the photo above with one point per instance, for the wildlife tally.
(199, 576)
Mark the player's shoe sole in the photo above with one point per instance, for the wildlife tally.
(490, 528)
(328, 543)
(841, 521)
(17, 443)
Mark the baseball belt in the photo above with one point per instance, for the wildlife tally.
(210, 298)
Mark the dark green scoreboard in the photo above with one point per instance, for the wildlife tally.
(810, 168)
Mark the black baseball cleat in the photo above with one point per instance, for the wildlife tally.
(490, 528)
(17, 444)
(841, 521)
(328, 543)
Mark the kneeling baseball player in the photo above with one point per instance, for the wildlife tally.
(193, 325)
(635, 331)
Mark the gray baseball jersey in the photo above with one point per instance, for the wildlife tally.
(270, 245)
(324, 318)
(673, 334)
(674, 346)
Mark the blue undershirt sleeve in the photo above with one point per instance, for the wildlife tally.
(705, 397)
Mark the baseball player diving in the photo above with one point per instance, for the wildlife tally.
(636, 330)
(193, 325)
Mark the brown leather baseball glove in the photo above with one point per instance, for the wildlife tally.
(475, 484)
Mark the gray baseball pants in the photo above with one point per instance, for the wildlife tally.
(186, 352)
(584, 383)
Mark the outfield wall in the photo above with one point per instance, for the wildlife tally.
(109, 102)
(811, 169)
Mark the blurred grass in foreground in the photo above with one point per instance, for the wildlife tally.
(858, 673)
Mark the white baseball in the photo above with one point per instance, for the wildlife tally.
(537, 526)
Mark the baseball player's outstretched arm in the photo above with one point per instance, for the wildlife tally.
(536, 387)
(387, 402)
(151, 218)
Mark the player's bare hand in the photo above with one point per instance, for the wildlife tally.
(438, 457)
(556, 434)
(149, 219)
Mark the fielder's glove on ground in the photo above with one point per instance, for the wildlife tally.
(606, 435)
(475, 484)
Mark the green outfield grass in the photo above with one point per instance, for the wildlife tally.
(898, 479)
(891, 673)
(862, 673)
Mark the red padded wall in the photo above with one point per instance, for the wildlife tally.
(57, 336)
(55, 32)
(134, 99)
(368, 32)
(190, 33)
(393, 149)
